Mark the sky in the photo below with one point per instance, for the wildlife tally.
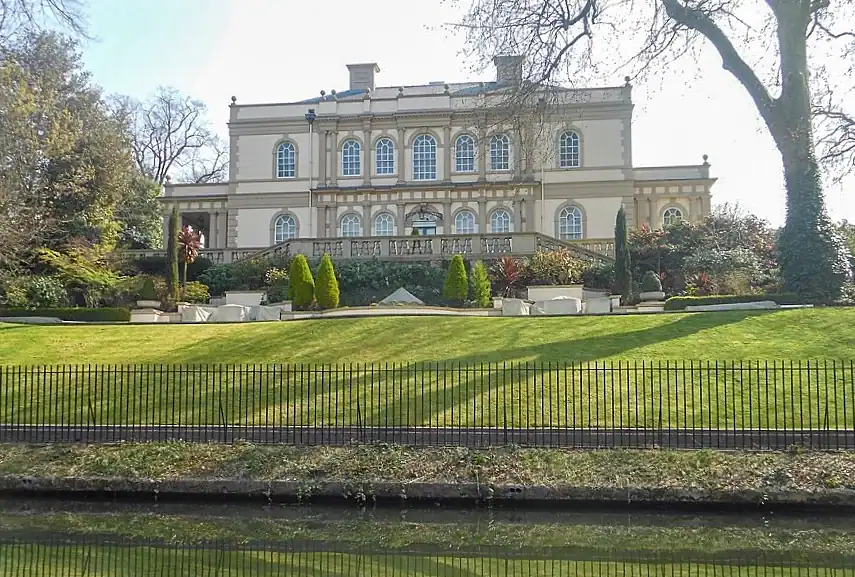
(283, 50)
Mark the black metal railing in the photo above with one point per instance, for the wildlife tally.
(761, 405)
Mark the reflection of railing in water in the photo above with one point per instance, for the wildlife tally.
(98, 556)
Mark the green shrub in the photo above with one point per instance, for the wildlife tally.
(157, 266)
(680, 303)
(650, 282)
(302, 288)
(277, 285)
(480, 285)
(362, 282)
(622, 267)
(599, 275)
(456, 287)
(326, 289)
(172, 255)
(72, 314)
(196, 292)
(555, 267)
(14, 293)
(147, 291)
(34, 292)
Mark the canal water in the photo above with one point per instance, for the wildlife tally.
(53, 539)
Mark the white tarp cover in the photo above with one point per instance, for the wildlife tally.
(557, 306)
(598, 306)
(230, 314)
(515, 308)
(401, 296)
(267, 313)
(196, 314)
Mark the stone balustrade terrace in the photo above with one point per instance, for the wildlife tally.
(413, 248)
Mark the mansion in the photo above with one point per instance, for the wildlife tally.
(363, 172)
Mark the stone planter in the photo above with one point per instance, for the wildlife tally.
(144, 304)
(652, 296)
(549, 292)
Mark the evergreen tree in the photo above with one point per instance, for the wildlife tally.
(301, 291)
(623, 264)
(326, 289)
(456, 287)
(172, 254)
(481, 285)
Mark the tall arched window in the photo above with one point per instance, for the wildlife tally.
(351, 225)
(286, 161)
(464, 222)
(284, 228)
(350, 158)
(464, 153)
(384, 156)
(500, 153)
(384, 224)
(500, 221)
(569, 150)
(424, 157)
(671, 216)
(570, 223)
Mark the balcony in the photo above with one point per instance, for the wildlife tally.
(413, 248)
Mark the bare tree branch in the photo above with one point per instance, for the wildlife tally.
(171, 136)
(23, 16)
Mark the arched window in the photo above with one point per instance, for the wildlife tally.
(569, 150)
(464, 153)
(384, 155)
(671, 216)
(350, 158)
(570, 223)
(384, 224)
(464, 222)
(351, 225)
(286, 161)
(284, 228)
(500, 221)
(500, 153)
(424, 157)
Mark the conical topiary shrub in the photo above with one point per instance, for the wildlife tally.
(456, 287)
(326, 289)
(481, 290)
(302, 288)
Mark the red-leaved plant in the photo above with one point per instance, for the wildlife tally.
(189, 243)
(508, 273)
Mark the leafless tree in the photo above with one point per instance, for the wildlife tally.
(21, 16)
(171, 136)
(791, 56)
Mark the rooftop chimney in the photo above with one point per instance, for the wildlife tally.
(509, 68)
(362, 75)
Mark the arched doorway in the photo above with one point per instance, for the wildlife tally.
(423, 220)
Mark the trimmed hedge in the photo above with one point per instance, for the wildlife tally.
(73, 314)
(680, 303)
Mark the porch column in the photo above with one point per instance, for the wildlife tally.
(401, 219)
(213, 229)
(367, 221)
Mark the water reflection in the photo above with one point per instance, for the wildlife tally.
(140, 541)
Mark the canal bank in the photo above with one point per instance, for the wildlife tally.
(396, 474)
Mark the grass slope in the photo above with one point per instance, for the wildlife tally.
(791, 335)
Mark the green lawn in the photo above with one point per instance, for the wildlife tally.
(349, 393)
(791, 335)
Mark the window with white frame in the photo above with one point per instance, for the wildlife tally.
(384, 156)
(424, 157)
(464, 153)
(570, 223)
(672, 215)
(569, 155)
(464, 222)
(351, 225)
(384, 224)
(350, 165)
(500, 221)
(284, 228)
(500, 152)
(286, 160)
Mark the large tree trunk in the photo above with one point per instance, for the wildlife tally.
(813, 258)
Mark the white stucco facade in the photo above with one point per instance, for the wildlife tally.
(371, 160)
